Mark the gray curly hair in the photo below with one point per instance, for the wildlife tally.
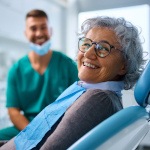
(128, 36)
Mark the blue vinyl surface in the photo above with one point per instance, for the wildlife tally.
(109, 127)
(142, 88)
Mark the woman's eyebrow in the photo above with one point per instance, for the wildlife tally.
(104, 41)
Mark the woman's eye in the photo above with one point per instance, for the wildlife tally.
(105, 48)
(86, 44)
(100, 47)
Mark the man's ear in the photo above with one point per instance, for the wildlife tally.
(123, 70)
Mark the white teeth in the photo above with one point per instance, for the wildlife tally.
(89, 65)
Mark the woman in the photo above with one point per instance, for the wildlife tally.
(109, 60)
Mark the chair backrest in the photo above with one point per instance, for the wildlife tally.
(142, 88)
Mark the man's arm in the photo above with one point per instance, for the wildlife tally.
(18, 119)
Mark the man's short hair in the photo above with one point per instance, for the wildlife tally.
(36, 13)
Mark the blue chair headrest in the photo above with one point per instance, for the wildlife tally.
(142, 87)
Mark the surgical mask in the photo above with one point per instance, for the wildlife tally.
(41, 49)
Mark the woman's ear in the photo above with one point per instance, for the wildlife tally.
(123, 70)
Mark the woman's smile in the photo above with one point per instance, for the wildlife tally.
(90, 65)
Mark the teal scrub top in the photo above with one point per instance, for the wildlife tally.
(31, 92)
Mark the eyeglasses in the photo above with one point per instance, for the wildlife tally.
(102, 49)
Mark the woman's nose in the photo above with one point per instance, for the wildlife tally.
(90, 53)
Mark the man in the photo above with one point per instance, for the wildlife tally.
(37, 79)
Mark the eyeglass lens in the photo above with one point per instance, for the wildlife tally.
(102, 48)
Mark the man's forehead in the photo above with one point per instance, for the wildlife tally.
(33, 21)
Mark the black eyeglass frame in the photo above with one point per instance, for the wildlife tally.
(97, 45)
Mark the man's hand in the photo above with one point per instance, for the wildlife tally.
(18, 119)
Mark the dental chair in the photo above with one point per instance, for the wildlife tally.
(125, 129)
